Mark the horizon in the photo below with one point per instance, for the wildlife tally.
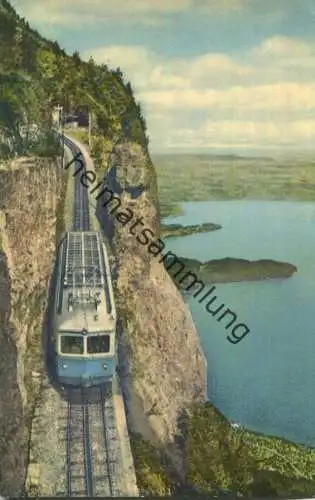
(274, 155)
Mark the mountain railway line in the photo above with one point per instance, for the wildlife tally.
(92, 459)
(81, 219)
(92, 443)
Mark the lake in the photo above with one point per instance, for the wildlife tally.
(266, 382)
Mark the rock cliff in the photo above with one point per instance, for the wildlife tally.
(162, 367)
(29, 194)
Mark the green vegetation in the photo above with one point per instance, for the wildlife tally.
(101, 148)
(47, 145)
(206, 177)
(170, 230)
(170, 209)
(151, 477)
(81, 134)
(226, 270)
(242, 461)
(36, 74)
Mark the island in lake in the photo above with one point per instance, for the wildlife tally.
(230, 270)
(179, 230)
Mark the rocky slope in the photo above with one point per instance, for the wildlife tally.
(29, 194)
(162, 366)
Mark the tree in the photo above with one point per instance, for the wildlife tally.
(129, 88)
(119, 74)
(7, 42)
(76, 59)
(19, 105)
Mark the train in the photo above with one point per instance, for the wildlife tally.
(84, 325)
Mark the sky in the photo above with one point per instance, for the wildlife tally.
(233, 76)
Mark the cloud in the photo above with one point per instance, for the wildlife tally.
(220, 7)
(284, 47)
(208, 64)
(259, 134)
(87, 12)
(143, 67)
(149, 70)
(284, 95)
(264, 94)
(257, 97)
(242, 135)
(82, 12)
(285, 52)
(268, 64)
(129, 58)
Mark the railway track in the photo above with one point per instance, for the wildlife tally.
(91, 435)
(92, 460)
(81, 219)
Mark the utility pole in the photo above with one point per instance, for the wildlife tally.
(60, 129)
(90, 127)
(59, 109)
(63, 143)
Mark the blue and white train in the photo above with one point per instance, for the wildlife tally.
(84, 315)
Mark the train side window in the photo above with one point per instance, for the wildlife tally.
(98, 344)
(71, 344)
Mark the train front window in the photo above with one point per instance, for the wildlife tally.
(98, 344)
(71, 344)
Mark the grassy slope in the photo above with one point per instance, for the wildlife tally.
(244, 461)
(81, 134)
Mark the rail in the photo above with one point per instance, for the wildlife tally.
(93, 462)
(81, 219)
(92, 459)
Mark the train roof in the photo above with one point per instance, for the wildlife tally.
(85, 296)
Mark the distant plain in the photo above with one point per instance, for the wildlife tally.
(212, 177)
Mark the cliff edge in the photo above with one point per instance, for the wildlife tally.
(162, 366)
